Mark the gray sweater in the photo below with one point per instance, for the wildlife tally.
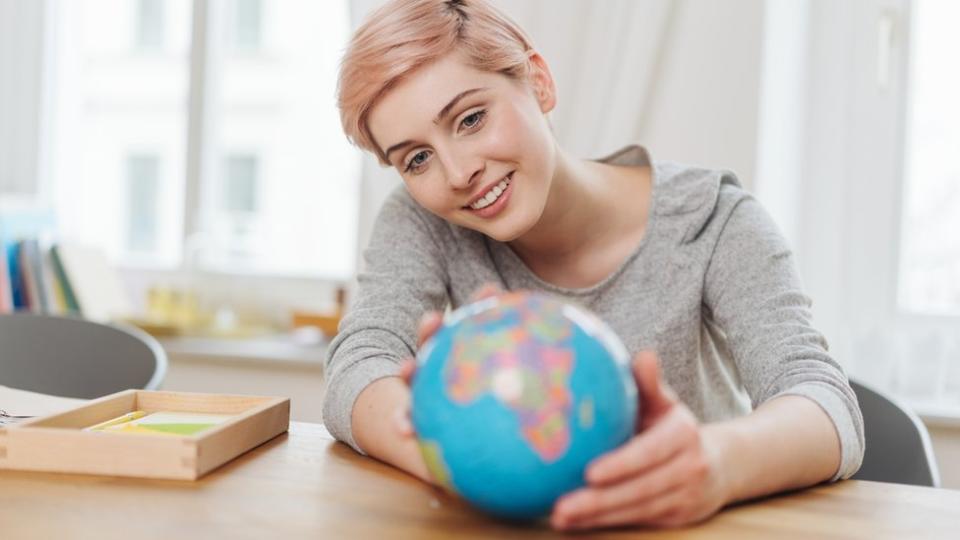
(712, 288)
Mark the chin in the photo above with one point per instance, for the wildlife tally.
(507, 231)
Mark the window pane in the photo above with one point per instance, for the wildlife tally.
(143, 175)
(245, 24)
(119, 116)
(930, 253)
(240, 193)
(149, 16)
(284, 194)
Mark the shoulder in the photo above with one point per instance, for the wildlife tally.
(400, 212)
(692, 200)
(401, 216)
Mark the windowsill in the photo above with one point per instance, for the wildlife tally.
(937, 415)
(279, 351)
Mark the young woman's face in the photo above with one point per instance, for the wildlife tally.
(473, 147)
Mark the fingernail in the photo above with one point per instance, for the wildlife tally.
(402, 422)
(567, 505)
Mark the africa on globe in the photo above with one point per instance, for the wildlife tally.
(515, 395)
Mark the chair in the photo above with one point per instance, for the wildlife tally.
(75, 357)
(898, 446)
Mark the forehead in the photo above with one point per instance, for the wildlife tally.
(407, 110)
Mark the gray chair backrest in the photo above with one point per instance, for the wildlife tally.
(898, 446)
(75, 357)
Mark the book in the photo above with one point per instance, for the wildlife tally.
(94, 283)
(31, 267)
(63, 282)
(16, 225)
(160, 423)
(17, 294)
(6, 291)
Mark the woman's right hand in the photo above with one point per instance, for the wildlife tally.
(428, 326)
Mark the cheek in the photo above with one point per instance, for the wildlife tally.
(516, 135)
(425, 192)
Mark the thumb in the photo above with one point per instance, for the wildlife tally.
(407, 369)
(656, 397)
(487, 290)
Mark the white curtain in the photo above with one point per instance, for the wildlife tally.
(605, 57)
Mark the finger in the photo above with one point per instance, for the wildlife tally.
(646, 371)
(485, 291)
(429, 324)
(645, 451)
(640, 514)
(407, 367)
(636, 490)
(656, 397)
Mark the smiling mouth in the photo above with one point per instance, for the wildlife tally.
(492, 194)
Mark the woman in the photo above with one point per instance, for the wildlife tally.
(685, 266)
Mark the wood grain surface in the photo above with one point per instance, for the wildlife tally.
(304, 485)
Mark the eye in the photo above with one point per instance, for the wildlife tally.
(417, 161)
(474, 119)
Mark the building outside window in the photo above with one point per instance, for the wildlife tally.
(228, 127)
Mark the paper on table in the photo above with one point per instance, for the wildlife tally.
(23, 403)
(162, 423)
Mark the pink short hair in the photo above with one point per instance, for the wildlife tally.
(404, 35)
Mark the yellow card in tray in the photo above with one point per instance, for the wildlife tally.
(161, 423)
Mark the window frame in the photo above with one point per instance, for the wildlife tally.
(268, 296)
(853, 186)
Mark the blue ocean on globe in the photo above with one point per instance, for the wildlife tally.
(515, 395)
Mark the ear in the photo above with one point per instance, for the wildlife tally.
(541, 82)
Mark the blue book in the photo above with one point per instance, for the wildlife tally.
(17, 225)
(31, 266)
(11, 252)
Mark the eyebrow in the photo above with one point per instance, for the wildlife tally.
(443, 112)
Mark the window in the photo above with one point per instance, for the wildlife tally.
(930, 255)
(119, 126)
(245, 21)
(240, 185)
(880, 252)
(149, 34)
(224, 141)
(143, 178)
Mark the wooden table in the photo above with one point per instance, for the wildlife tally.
(305, 485)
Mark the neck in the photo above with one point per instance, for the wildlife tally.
(577, 213)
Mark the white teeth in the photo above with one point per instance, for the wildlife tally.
(491, 195)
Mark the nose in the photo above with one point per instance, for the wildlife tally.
(463, 168)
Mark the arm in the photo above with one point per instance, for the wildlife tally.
(677, 472)
(787, 443)
(405, 276)
(375, 426)
(753, 293)
(381, 419)
(805, 428)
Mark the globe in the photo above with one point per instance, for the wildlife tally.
(514, 396)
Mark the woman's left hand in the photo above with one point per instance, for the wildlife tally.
(669, 474)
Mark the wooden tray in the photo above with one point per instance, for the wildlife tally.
(56, 443)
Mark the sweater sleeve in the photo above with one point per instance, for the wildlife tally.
(403, 278)
(752, 291)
